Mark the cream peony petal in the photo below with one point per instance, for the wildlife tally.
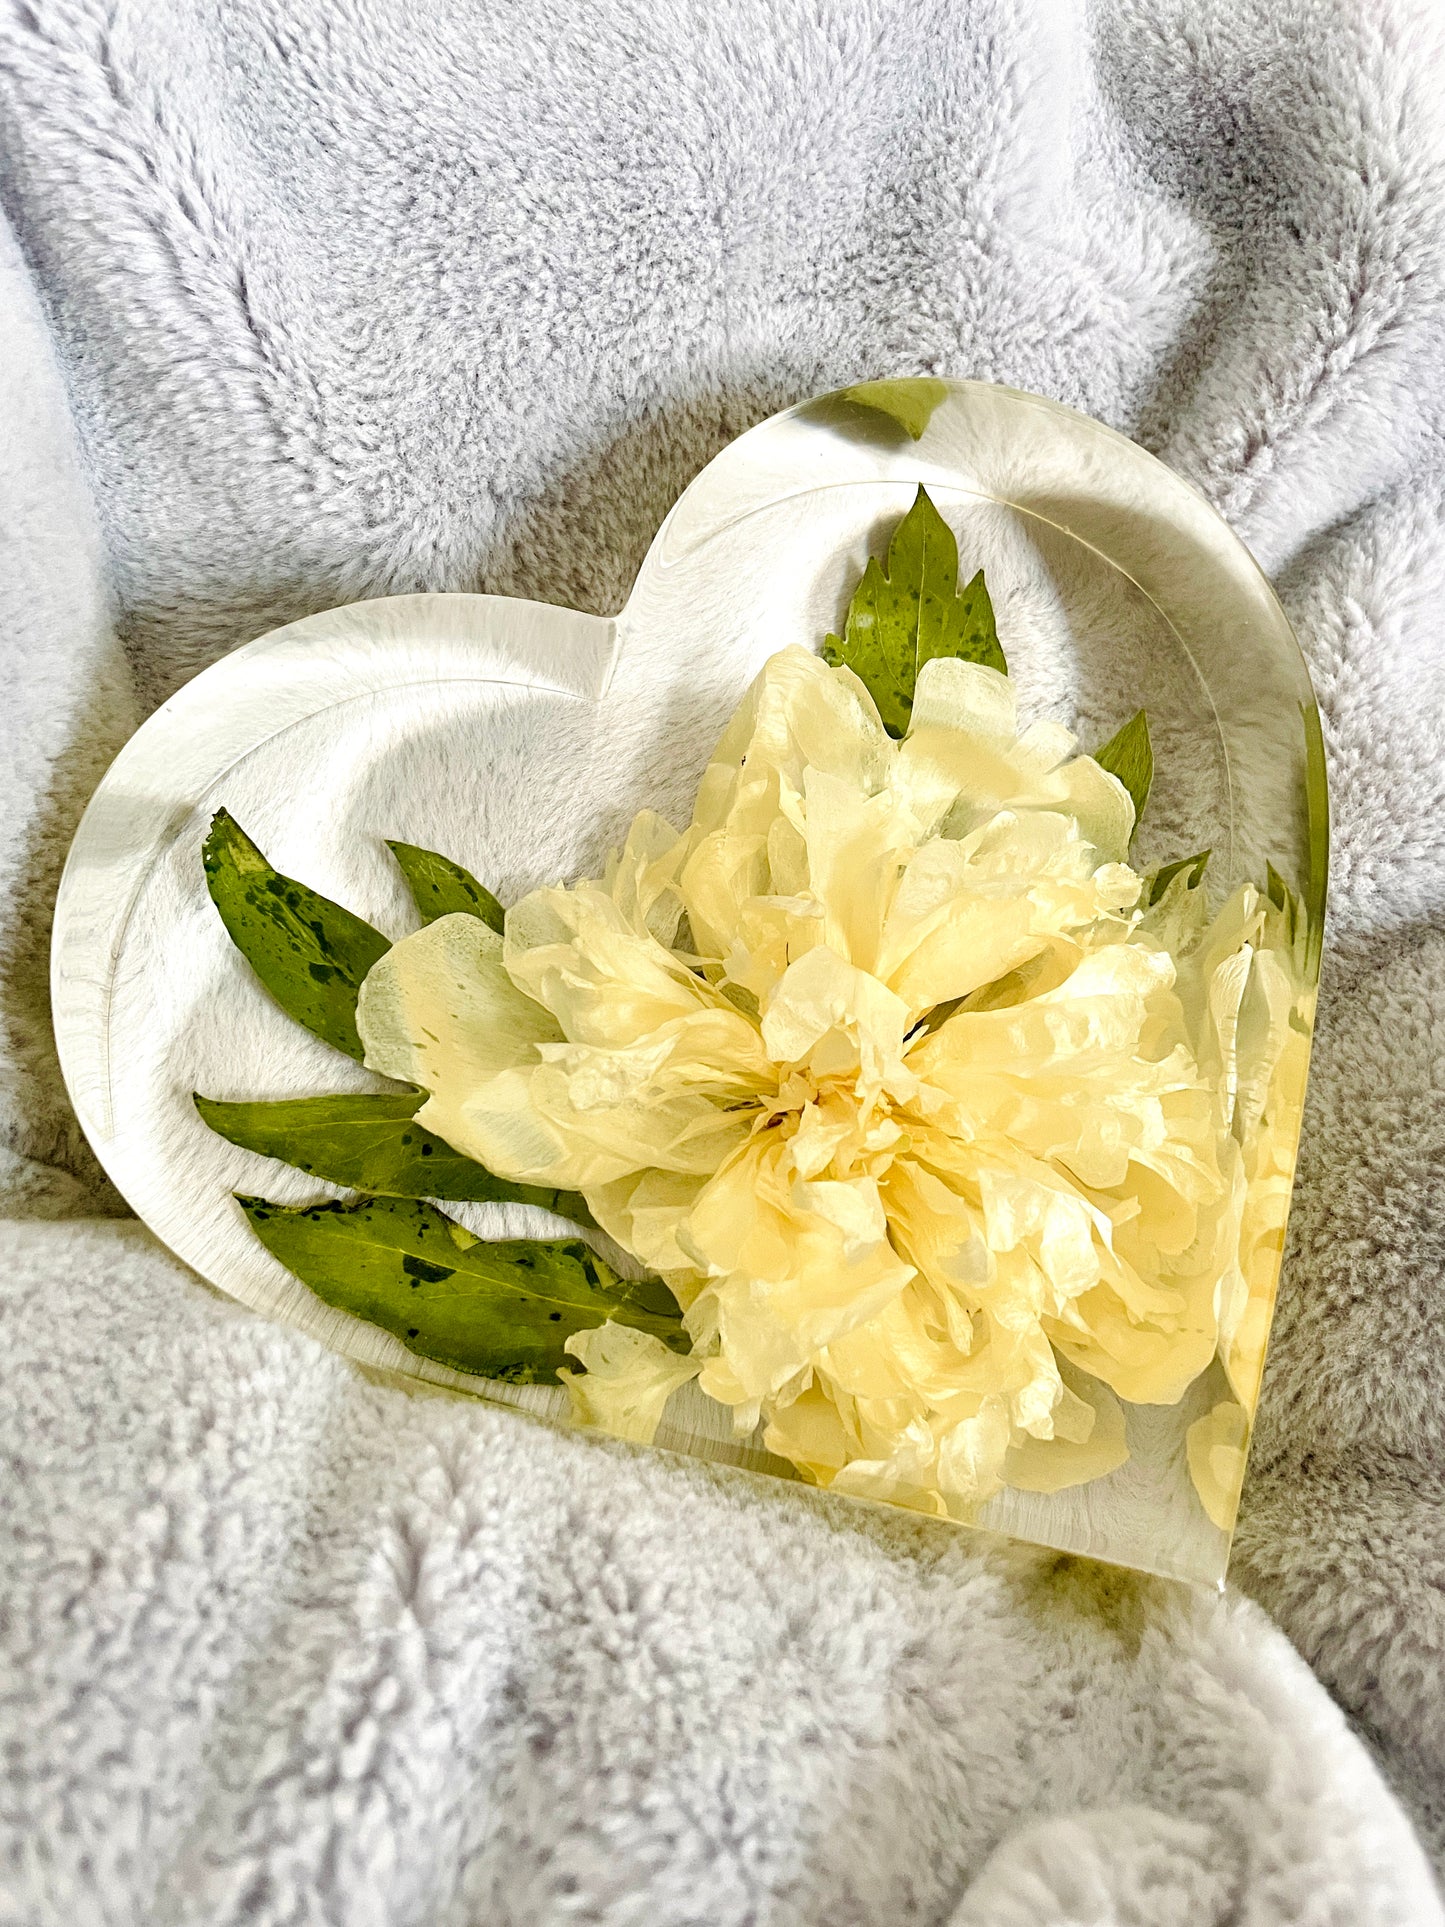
(966, 699)
(971, 1455)
(644, 1212)
(1262, 1034)
(1177, 921)
(440, 1000)
(906, 1475)
(1052, 1465)
(1243, 1351)
(1097, 801)
(852, 1207)
(959, 740)
(971, 940)
(810, 1434)
(1151, 1363)
(880, 1481)
(724, 875)
(854, 847)
(771, 1328)
(1044, 747)
(1216, 1446)
(821, 1133)
(837, 1020)
(440, 1011)
(800, 714)
(642, 877)
(605, 982)
(963, 759)
(529, 1120)
(785, 1284)
(968, 912)
(629, 1377)
(801, 723)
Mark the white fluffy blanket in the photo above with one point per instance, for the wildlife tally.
(316, 299)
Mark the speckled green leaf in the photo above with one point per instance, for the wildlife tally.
(441, 888)
(369, 1142)
(1129, 755)
(902, 616)
(309, 953)
(500, 1310)
(909, 402)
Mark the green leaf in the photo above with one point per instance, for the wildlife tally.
(1129, 755)
(1283, 899)
(309, 953)
(1192, 867)
(903, 617)
(370, 1143)
(500, 1310)
(1317, 803)
(909, 402)
(441, 887)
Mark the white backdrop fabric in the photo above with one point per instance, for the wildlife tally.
(311, 300)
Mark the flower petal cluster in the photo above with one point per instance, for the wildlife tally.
(1250, 998)
(876, 1064)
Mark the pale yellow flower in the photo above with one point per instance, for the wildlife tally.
(876, 1067)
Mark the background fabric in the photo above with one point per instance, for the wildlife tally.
(310, 300)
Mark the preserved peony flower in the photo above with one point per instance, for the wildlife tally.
(877, 1065)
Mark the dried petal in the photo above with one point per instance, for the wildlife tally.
(629, 1377)
(1216, 1447)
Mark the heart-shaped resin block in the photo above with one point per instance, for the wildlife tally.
(521, 740)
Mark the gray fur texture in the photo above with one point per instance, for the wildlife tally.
(310, 300)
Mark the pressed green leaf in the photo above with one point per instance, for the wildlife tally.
(369, 1142)
(909, 402)
(1129, 755)
(502, 1310)
(1283, 899)
(441, 887)
(1317, 802)
(1192, 867)
(309, 953)
(902, 617)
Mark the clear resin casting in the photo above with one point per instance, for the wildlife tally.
(902, 1096)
